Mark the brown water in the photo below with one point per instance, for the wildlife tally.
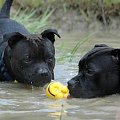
(19, 102)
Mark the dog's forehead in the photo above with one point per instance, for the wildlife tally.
(96, 52)
(41, 42)
(34, 44)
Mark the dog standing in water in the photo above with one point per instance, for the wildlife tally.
(27, 58)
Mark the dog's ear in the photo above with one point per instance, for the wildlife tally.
(50, 34)
(116, 55)
(100, 45)
(13, 38)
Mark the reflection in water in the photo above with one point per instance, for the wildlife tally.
(20, 102)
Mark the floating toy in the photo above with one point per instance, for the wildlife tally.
(56, 90)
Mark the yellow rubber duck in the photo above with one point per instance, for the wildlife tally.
(56, 90)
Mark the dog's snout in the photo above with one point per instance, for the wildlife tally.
(43, 72)
(71, 83)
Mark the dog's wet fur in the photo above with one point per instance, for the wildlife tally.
(98, 75)
(29, 58)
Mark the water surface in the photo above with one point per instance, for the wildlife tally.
(21, 102)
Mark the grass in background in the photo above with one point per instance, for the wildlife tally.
(91, 1)
(39, 3)
(30, 3)
(30, 21)
(108, 2)
(83, 40)
(71, 55)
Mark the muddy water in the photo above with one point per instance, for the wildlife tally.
(20, 102)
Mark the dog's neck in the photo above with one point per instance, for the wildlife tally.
(5, 67)
(3, 70)
(4, 74)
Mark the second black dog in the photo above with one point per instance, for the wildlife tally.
(98, 75)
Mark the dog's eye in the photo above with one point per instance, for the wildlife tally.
(27, 59)
(89, 71)
(50, 59)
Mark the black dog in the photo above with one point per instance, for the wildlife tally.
(24, 57)
(98, 75)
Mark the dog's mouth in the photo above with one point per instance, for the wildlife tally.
(69, 96)
(36, 82)
(75, 90)
(71, 91)
(41, 82)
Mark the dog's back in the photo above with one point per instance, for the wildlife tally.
(8, 25)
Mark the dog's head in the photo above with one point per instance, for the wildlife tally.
(98, 73)
(31, 59)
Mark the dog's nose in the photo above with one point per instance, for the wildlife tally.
(70, 83)
(43, 72)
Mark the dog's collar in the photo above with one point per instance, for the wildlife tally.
(3, 70)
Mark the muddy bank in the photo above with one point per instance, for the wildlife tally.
(75, 17)
(80, 15)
